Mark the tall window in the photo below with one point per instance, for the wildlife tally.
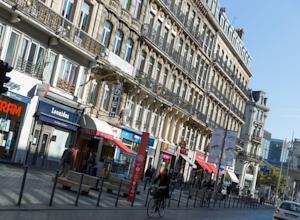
(106, 34)
(158, 28)
(126, 4)
(158, 70)
(151, 66)
(68, 75)
(151, 20)
(142, 61)
(165, 77)
(166, 34)
(12, 47)
(138, 8)
(49, 67)
(118, 42)
(172, 41)
(107, 90)
(68, 9)
(172, 83)
(94, 92)
(85, 16)
(128, 50)
(187, 12)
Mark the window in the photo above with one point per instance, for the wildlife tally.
(118, 42)
(178, 87)
(151, 21)
(82, 83)
(172, 83)
(139, 116)
(187, 12)
(107, 90)
(138, 8)
(172, 41)
(166, 34)
(184, 91)
(158, 69)
(158, 28)
(12, 47)
(165, 77)
(85, 16)
(126, 4)
(106, 34)
(68, 9)
(49, 67)
(142, 60)
(128, 111)
(151, 66)
(2, 31)
(128, 50)
(155, 123)
(94, 92)
(68, 76)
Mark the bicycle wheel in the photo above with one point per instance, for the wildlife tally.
(162, 208)
(152, 208)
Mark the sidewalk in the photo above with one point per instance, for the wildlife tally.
(39, 185)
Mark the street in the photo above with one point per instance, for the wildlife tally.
(138, 214)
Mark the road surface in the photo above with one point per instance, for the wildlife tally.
(138, 214)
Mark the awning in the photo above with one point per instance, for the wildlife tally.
(232, 176)
(214, 168)
(96, 127)
(187, 159)
(203, 164)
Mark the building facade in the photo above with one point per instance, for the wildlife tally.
(266, 141)
(278, 152)
(98, 73)
(249, 157)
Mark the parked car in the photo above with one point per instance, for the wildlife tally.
(287, 210)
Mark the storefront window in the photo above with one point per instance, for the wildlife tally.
(11, 118)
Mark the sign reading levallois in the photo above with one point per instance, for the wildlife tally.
(139, 166)
(57, 115)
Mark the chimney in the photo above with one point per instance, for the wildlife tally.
(240, 32)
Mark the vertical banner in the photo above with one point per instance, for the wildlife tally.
(139, 166)
(116, 100)
(229, 149)
(215, 147)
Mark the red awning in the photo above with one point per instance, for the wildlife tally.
(203, 164)
(122, 146)
(214, 168)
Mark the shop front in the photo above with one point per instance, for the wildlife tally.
(55, 127)
(167, 156)
(12, 112)
(132, 139)
(103, 141)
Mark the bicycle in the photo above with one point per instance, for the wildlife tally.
(156, 205)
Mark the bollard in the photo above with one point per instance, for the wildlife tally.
(79, 190)
(100, 192)
(179, 197)
(117, 200)
(195, 200)
(202, 200)
(53, 188)
(229, 201)
(147, 197)
(22, 186)
(187, 201)
(208, 200)
(234, 200)
(132, 202)
(225, 202)
(238, 202)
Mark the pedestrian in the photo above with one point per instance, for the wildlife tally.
(148, 176)
(66, 160)
(91, 162)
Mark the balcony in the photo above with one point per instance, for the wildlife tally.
(256, 139)
(57, 24)
(243, 155)
(66, 85)
(34, 70)
(126, 17)
(115, 6)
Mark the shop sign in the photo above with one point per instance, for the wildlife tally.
(168, 148)
(139, 166)
(57, 112)
(116, 100)
(10, 108)
(135, 137)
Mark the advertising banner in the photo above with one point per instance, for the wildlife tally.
(229, 149)
(139, 166)
(215, 147)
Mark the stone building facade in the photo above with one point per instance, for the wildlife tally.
(177, 69)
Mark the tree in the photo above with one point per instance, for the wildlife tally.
(271, 179)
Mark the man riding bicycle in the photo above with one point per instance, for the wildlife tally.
(164, 182)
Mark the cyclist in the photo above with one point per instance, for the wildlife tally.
(164, 182)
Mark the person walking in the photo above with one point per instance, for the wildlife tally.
(66, 161)
(148, 176)
(91, 162)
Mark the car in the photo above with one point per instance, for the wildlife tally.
(287, 210)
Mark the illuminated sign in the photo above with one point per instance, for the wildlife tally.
(10, 108)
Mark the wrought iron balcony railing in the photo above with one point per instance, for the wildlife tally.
(30, 68)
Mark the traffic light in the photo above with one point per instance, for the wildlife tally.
(4, 68)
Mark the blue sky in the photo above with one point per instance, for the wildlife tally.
(272, 35)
